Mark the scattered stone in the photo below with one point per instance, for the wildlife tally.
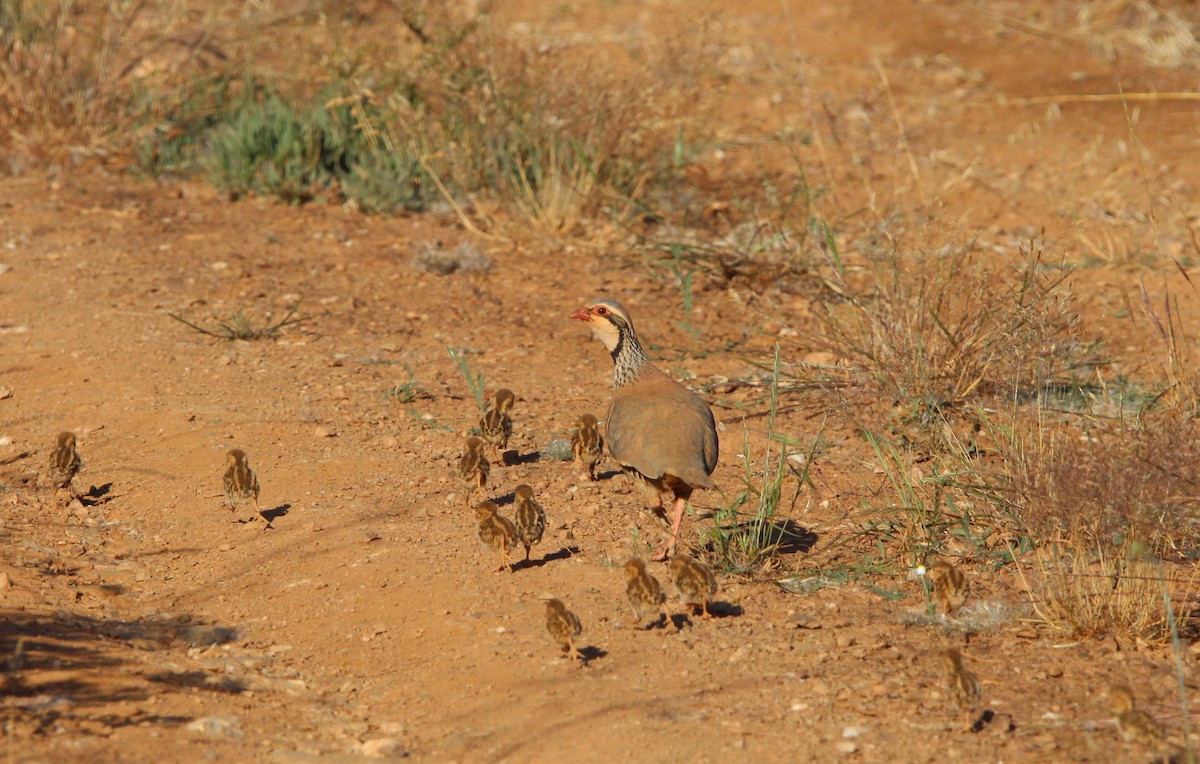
(846, 746)
(383, 748)
(5, 581)
(204, 636)
(322, 432)
(5, 393)
(228, 726)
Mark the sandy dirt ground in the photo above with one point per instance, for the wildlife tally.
(147, 621)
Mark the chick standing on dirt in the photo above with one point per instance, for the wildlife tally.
(531, 518)
(949, 586)
(64, 464)
(695, 582)
(563, 626)
(473, 468)
(963, 686)
(241, 483)
(496, 531)
(645, 593)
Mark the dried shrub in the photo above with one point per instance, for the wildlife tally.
(942, 329)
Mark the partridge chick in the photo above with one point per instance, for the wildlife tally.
(563, 626)
(496, 531)
(661, 433)
(473, 468)
(587, 444)
(531, 518)
(64, 464)
(1135, 726)
(963, 686)
(949, 586)
(241, 484)
(496, 424)
(695, 582)
(645, 593)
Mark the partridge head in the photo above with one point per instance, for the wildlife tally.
(1135, 725)
(962, 685)
(563, 626)
(496, 531)
(496, 424)
(473, 468)
(531, 518)
(950, 588)
(661, 433)
(694, 580)
(64, 463)
(587, 444)
(241, 483)
(645, 593)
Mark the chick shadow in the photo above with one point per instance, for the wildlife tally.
(562, 554)
(96, 495)
(513, 457)
(716, 609)
(276, 512)
(591, 653)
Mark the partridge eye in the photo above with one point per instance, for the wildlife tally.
(601, 311)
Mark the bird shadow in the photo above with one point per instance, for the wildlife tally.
(274, 512)
(562, 554)
(716, 609)
(512, 457)
(591, 653)
(96, 495)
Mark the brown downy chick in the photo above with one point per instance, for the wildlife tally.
(962, 685)
(64, 464)
(473, 468)
(563, 626)
(496, 424)
(587, 444)
(949, 586)
(1135, 726)
(241, 484)
(531, 518)
(496, 531)
(645, 593)
(695, 582)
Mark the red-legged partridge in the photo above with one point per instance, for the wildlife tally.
(1135, 725)
(241, 484)
(962, 685)
(531, 518)
(563, 626)
(949, 586)
(645, 593)
(660, 432)
(587, 444)
(694, 580)
(496, 531)
(496, 424)
(473, 469)
(64, 464)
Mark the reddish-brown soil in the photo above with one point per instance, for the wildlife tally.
(367, 621)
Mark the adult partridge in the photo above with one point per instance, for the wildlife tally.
(660, 432)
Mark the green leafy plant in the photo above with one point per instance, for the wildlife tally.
(475, 382)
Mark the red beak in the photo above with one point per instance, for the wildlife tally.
(583, 314)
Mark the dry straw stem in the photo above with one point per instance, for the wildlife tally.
(1098, 98)
(1080, 587)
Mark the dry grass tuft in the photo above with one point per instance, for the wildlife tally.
(935, 331)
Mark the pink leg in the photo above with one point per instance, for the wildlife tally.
(676, 519)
